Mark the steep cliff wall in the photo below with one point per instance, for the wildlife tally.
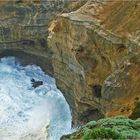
(24, 28)
(93, 52)
(96, 58)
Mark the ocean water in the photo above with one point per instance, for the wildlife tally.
(28, 113)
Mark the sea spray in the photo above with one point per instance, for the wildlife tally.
(29, 113)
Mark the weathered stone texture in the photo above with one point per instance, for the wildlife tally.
(24, 28)
(96, 58)
(93, 52)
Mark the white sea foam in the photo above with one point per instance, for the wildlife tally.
(28, 113)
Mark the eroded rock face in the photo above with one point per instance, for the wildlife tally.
(24, 28)
(93, 52)
(96, 58)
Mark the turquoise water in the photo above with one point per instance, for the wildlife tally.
(28, 113)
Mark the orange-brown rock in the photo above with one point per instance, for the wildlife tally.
(96, 58)
(24, 28)
(93, 52)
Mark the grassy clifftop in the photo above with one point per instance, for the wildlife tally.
(119, 127)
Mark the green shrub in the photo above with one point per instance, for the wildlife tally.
(114, 128)
(103, 133)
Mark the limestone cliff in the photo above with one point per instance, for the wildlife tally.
(24, 28)
(96, 58)
(93, 52)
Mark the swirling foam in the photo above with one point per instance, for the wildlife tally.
(28, 113)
